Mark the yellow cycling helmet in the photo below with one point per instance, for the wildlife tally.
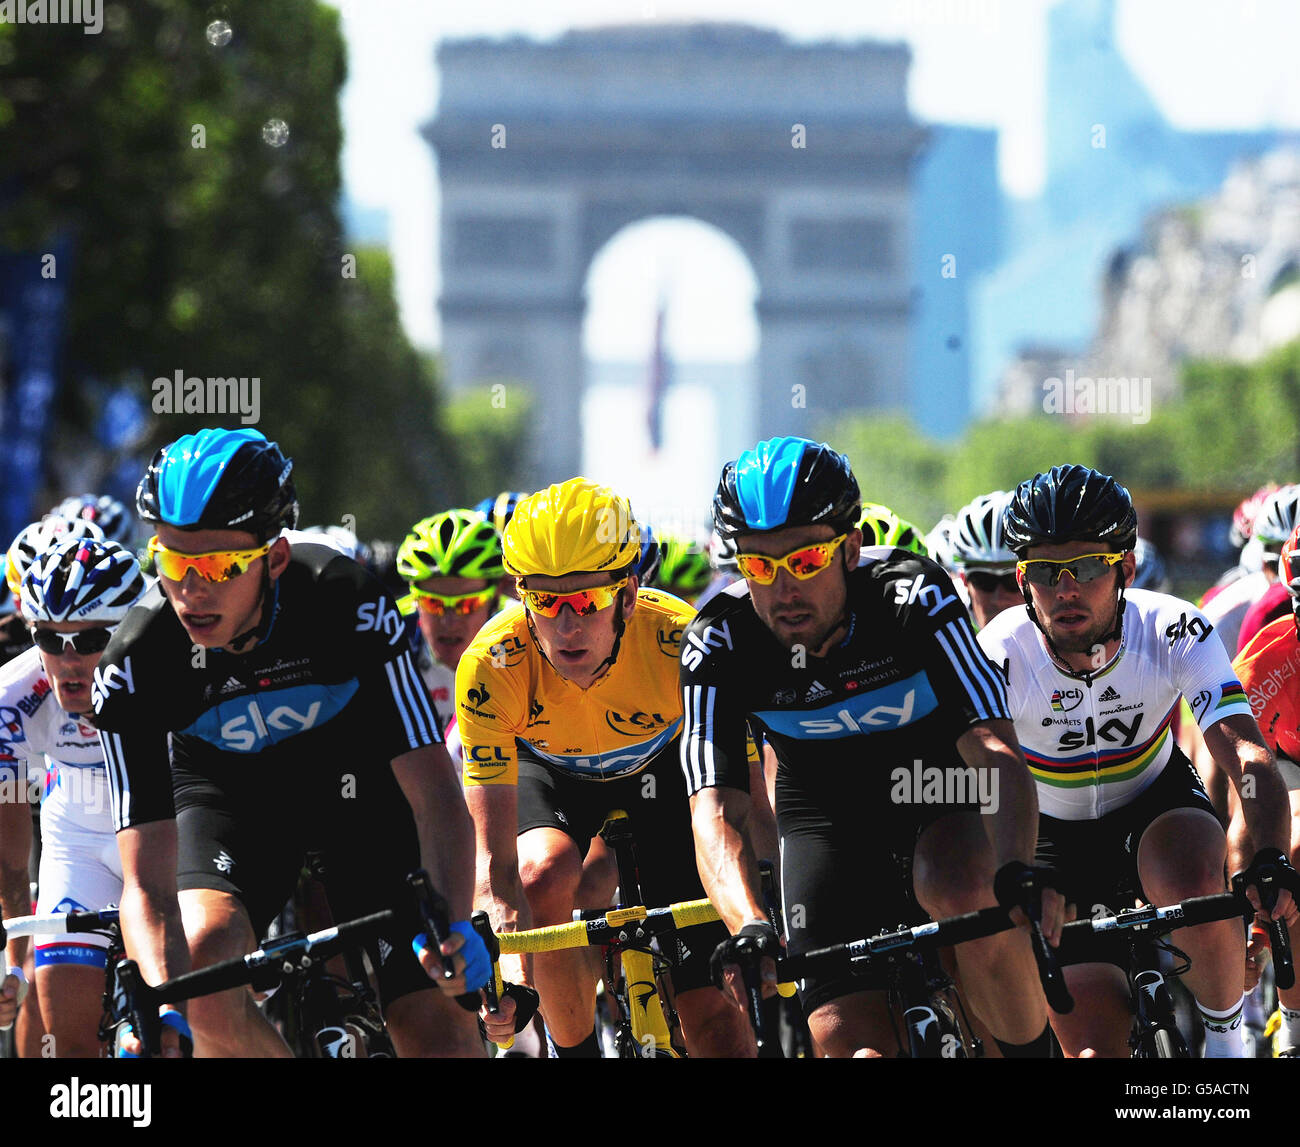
(572, 527)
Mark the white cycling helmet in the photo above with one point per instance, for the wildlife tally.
(976, 533)
(1276, 519)
(939, 542)
(34, 540)
(82, 579)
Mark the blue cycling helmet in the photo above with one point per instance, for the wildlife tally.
(786, 482)
(220, 480)
(500, 510)
(651, 557)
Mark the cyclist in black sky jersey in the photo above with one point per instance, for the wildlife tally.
(260, 702)
(858, 677)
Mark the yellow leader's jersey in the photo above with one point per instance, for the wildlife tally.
(508, 695)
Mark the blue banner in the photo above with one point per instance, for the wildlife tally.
(33, 298)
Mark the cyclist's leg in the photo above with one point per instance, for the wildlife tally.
(372, 846)
(656, 803)
(1181, 855)
(550, 869)
(558, 817)
(837, 887)
(953, 869)
(232, 878)
(852, 1024)
(1102, 1014)
(80, 870)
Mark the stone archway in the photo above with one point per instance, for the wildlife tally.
(800, 153)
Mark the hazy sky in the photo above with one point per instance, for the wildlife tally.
(1208, 63)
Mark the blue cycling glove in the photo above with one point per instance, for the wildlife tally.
(478, 964)
(169, 1019)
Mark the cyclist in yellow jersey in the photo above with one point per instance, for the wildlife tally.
(568, 708)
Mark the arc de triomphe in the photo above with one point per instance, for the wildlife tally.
(800, 153)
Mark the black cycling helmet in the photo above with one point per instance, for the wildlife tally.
(220, 480)
(786, 482)
(1070, 504)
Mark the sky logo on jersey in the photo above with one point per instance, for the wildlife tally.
(917, 591)
(371, 615)
(251, 724)
(109, 679)
(698, 646)
(889, 707)
(615, 763)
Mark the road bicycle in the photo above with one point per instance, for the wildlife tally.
(640, 949)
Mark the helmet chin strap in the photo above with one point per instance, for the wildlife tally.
(263, 623)
(1114, 635)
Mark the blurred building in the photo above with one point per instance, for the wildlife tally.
(1112, 158)
(802, 154)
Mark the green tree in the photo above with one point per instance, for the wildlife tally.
(206, 241)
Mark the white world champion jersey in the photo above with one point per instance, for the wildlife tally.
(1095, 741)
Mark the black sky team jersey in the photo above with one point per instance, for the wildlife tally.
(333, 679)
(906, 681)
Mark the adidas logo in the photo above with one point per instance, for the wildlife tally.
(232, 685)
(816, 692)
(1109, 694)
(385, 950)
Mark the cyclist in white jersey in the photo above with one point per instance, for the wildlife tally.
(1094, 676)
(72, 596)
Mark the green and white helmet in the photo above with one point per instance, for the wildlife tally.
(880, 526)
(684, 569)
(455, 543)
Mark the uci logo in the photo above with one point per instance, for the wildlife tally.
(490, 761)
(634, 725)
(373, 615)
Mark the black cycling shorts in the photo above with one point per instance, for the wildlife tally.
(1097, 859)
(658, 809)
(251, 841)
(845, 867)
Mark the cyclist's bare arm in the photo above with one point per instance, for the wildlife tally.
(1012, 827)
(721, 819)
(1239, 750)
(495, 811)
(15, 892)
(15, 848)
(150, 917)
(432, 787)
(431, 784)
